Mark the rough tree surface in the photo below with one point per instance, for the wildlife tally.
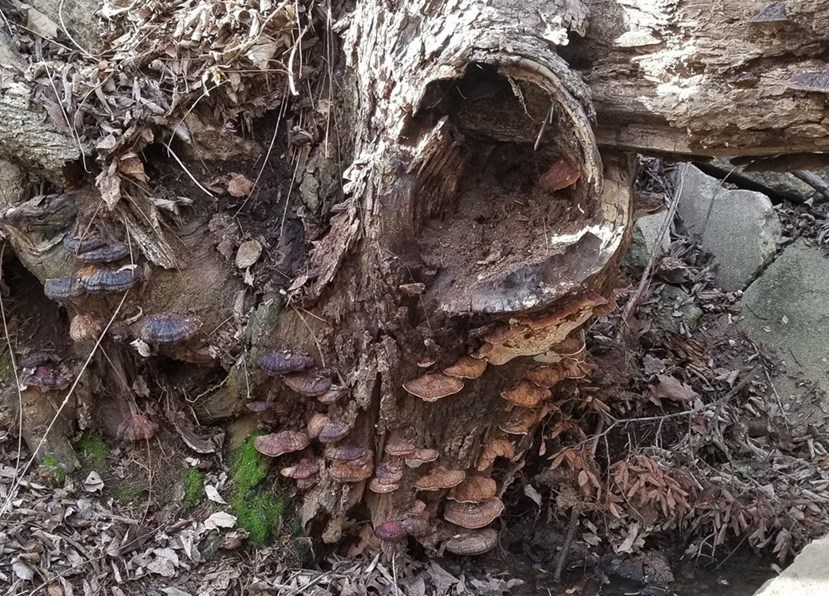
(434, 202)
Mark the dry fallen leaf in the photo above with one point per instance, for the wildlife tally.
(213, 494)
(220, 519)
(248, 253)
(239, 186)
(93, 483)
(671, 388)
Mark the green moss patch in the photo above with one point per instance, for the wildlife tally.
(248, 466)
(260, 514)
(128, 493)
(258, 511)
(193, 488)
(92, 453)
(52, 470)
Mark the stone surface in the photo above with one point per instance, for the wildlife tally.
(738, 227)
(787, 309)
(643, 241)
(676, 306)
(808, 575)
(784, 184)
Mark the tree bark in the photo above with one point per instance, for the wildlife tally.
(454, 239)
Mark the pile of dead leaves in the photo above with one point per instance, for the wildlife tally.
(161, 65)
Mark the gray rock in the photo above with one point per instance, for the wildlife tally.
(643, 241)
(784, 184)
(808, 575)
(738, 227)
(676, 306)
(787, 309)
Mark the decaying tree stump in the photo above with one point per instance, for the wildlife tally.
(411, 356)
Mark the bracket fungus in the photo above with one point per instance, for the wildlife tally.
(472, 543)
(546, 376)
(533, 335)
(283, 361)
(474, 490)
(276, 444)
(102, 280)
(389, 473)
(78, 246)
(316, 424)
(333, 432)
(333, 395)
(497, 447)
(61, 289)
(349, 453)
(440, 478)
(305, 473)
(562, 173)
(44, 371)
(466, 367)
(399, 446)
(310, 383)
(473, 516)
(418, 457)
(391, 530)
(85, 328)
(433, 386)
(351, 471)
(167, 328)
(526, 394)
(521, 421)
(378, 487)
(108, 253)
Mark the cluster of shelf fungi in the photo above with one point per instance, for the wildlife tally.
(469, 500)
(447, 506)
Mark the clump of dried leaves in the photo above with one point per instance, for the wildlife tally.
(159, 66)
(685, 432)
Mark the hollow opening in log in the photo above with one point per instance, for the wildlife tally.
(501, 157)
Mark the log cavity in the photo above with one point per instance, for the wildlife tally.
(497, 239)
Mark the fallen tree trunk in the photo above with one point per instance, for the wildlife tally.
(414, 348)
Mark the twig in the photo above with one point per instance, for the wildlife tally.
(646, 275)
(813, 180)
(565, 548)
(714, 404)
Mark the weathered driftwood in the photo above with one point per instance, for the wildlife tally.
(453, 245)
